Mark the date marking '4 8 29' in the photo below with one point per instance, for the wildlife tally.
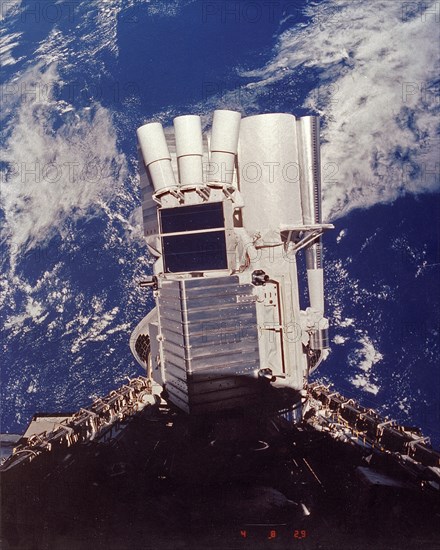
(297, 534)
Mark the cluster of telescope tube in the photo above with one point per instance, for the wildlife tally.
(189, 150)
(266, 142)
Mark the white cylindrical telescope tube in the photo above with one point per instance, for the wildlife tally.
(221, 167)
(225, 131)
(269, 172)
(315, 283)
(224, 143)
(156, 155)
(161, 173)
(189, 149)
(190, 170)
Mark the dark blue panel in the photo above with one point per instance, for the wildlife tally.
(192, 218)
(195, 252)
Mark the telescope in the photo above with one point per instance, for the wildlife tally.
(225, 215)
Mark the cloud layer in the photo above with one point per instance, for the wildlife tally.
(58, 162)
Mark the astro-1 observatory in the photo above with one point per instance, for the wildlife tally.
(225, 215)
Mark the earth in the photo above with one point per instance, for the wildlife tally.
(78, 78)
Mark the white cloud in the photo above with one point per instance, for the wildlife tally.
(361, 382)
(9, 9)
(342, 234)
(33, 310)
(9, 40)
(368, 354)
(7, 44)
(364, 359)
(61, 162)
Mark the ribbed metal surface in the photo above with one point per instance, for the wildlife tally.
(320, 340)
(314, 256)
(210, 343)
(310, 168)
